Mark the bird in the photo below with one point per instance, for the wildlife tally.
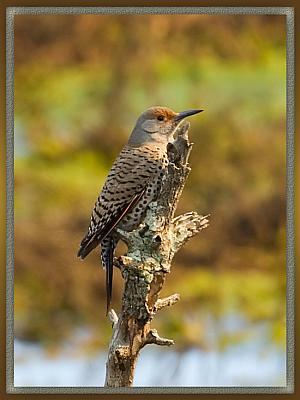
(133, 182)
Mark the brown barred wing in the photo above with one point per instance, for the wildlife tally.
(94, 238)
(125, 185)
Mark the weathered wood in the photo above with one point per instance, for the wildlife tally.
(151, 249)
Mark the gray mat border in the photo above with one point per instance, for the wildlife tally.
(290, 149)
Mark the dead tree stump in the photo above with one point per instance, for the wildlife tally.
(151, 248)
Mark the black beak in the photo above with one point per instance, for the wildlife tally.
(184, 114)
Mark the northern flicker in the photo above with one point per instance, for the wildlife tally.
(132, 183)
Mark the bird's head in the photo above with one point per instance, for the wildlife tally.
(157, 125)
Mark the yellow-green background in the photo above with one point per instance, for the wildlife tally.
(80, 82)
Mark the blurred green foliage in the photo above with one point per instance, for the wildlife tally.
(80, 83)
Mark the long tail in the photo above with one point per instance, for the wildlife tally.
(108, 246)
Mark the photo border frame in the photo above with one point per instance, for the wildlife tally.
(11, 12)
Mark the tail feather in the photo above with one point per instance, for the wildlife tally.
(107, 252)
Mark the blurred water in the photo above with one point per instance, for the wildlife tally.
(252, 362)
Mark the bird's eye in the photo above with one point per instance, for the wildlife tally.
(160, 117)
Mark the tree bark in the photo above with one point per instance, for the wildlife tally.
(151, 248)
